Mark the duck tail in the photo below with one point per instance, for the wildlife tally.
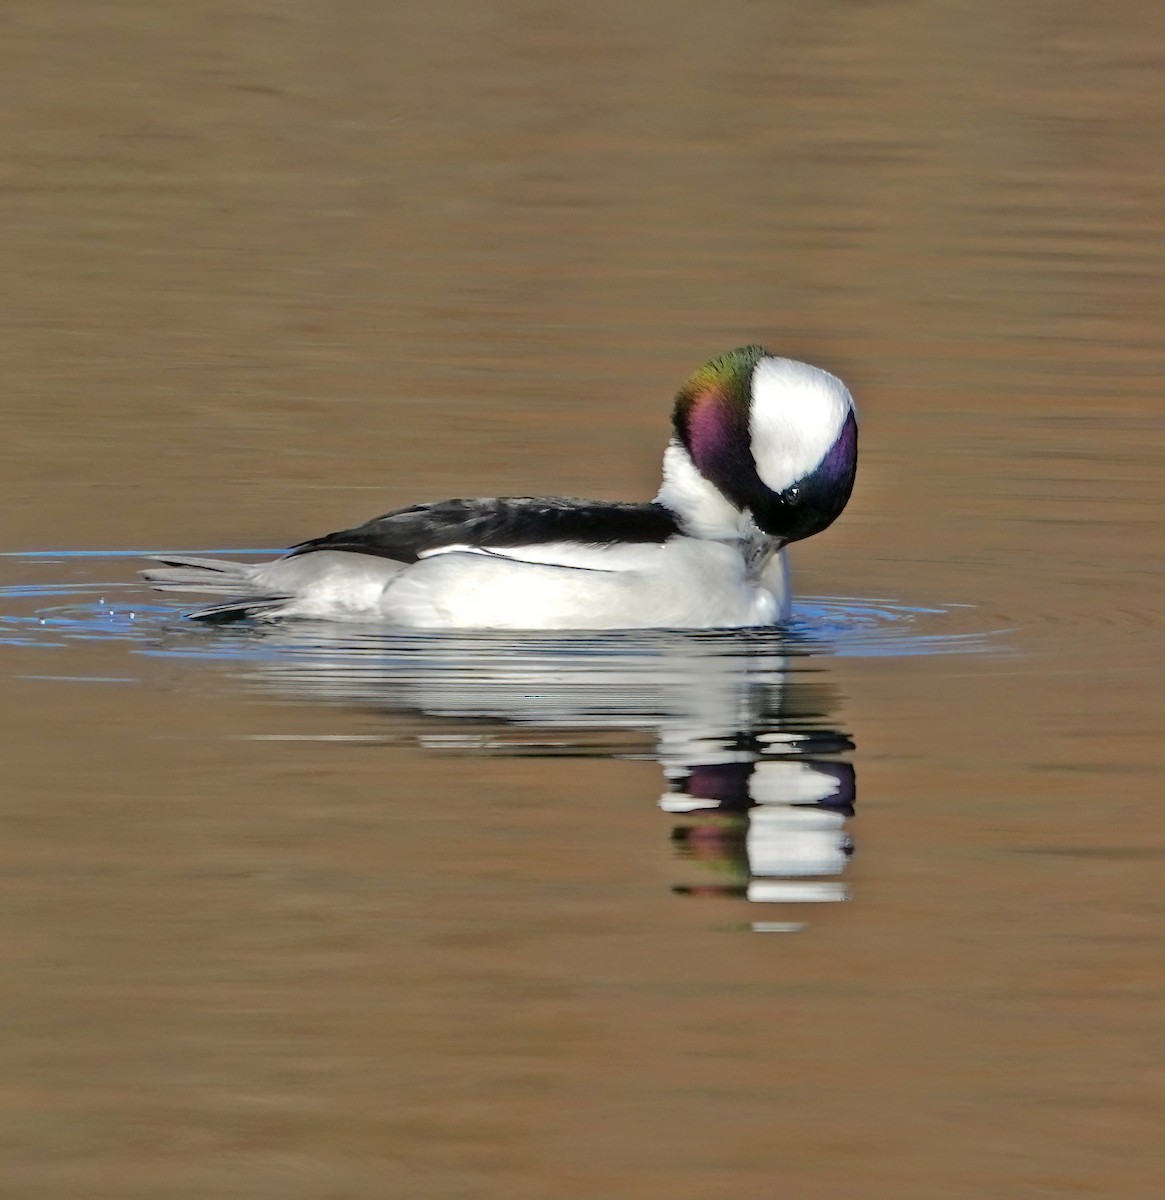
(182, 573)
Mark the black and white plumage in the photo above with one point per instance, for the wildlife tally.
(407, 534)
(763, 453)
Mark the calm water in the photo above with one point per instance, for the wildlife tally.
(868, 907)
(742, 724)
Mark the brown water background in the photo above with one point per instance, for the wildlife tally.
(271, 268)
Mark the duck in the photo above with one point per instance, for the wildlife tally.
(762, 453)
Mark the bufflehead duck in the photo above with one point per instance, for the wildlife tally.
(763, 453)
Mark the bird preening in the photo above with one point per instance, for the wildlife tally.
(763, 452)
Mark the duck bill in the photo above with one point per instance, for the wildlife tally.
(759, 548)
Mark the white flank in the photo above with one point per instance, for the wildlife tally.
(686, 583)
(621, 556)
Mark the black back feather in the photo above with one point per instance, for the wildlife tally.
(406, 533)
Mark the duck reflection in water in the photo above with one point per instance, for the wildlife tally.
(740, 722)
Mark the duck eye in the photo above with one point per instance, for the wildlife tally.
(792, 495)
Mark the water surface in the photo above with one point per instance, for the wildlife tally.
(310, 912)
(740, 722)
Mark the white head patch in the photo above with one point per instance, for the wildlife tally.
(797, 413)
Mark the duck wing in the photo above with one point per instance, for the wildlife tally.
(497, 525)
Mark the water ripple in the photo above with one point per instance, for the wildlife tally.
(744, 724)
(102, 609)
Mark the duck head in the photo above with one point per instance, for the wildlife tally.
(760, 441)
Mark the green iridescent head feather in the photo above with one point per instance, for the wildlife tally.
(728, 376)
(712, 412)
(713, 422)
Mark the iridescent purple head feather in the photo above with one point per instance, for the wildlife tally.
(778, 438)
